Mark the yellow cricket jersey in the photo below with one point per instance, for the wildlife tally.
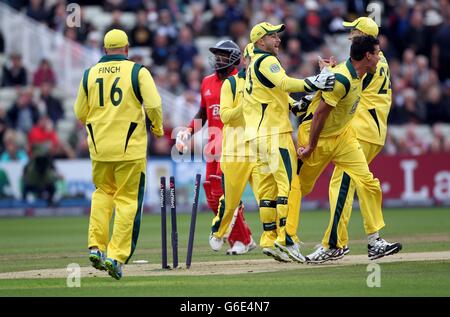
(109, 102)
(344, 98)
(231, 98)
(370, 122)
(266, 99)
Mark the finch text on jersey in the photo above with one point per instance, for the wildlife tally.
(109, 70)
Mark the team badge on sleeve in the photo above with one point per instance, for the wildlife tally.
(274, 68)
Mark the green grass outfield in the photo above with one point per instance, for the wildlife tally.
(43, 243)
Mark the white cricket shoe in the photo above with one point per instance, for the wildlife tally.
(240, 248)
(277, 254)
(293, 251)
(215, 243)
(322, 255)
(382, 248)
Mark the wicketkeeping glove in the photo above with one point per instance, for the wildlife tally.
(300, 107)
(323, 81)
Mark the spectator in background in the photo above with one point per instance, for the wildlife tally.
(14, 74)
(391, 145)
(3, 129)
(70, 34)
(114, 5)
(434, 109)
(416, 35)
(85, 27)
(53, 106)
(161, 51)
(195, 18)
(446, 100)
(94, 42)
(12, 150)
(440, 142)
(57, 16)
(40, 176)
(441, 50)
(141, 35)
(2, 43)
(218, 25)
(43, 133)
(313, 38)
(44, 73)
(36, 10)
(411, 143)
(175, 86)
(291, 32)
(24, 112)
(116, 23)
(5, 186)
(166, 26)
(186, 49)
(233, 12)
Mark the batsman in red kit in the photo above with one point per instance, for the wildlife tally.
(226, 57)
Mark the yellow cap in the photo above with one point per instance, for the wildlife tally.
(365, 25)
(248, 51)
(115, 39)
(264, 28)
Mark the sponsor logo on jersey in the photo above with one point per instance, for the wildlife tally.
(275, 68)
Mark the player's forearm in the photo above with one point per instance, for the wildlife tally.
(156, 117)
(200, 115)
(289, 84)
(81, 106)
(318, 122)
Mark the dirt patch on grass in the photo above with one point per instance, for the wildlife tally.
(229, 267)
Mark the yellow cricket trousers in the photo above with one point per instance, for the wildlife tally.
(120, 185)
(236, 172)
(277, 174)
(338, 188)
(345, 152)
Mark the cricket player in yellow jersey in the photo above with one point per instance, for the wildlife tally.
(109, 103)
(235, 165)
(326, 135)
(370, 125)
(237, 162)
(268, 127)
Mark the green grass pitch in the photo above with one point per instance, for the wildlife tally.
(43, 243)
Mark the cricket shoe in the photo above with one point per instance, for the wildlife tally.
(382, 248)
(346, 249)
(293, 251)
(322, 255)
(97, 259)
(114, 268)
(240, 248)
(277, 254)
(215, 243)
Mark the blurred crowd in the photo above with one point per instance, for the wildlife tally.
(414, 36)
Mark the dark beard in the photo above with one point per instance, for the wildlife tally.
(224, 72)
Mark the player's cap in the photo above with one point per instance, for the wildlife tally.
(264, 28)
(115, 39)
(364, 24)
(248, 51)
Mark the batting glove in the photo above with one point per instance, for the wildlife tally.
(182, 140)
